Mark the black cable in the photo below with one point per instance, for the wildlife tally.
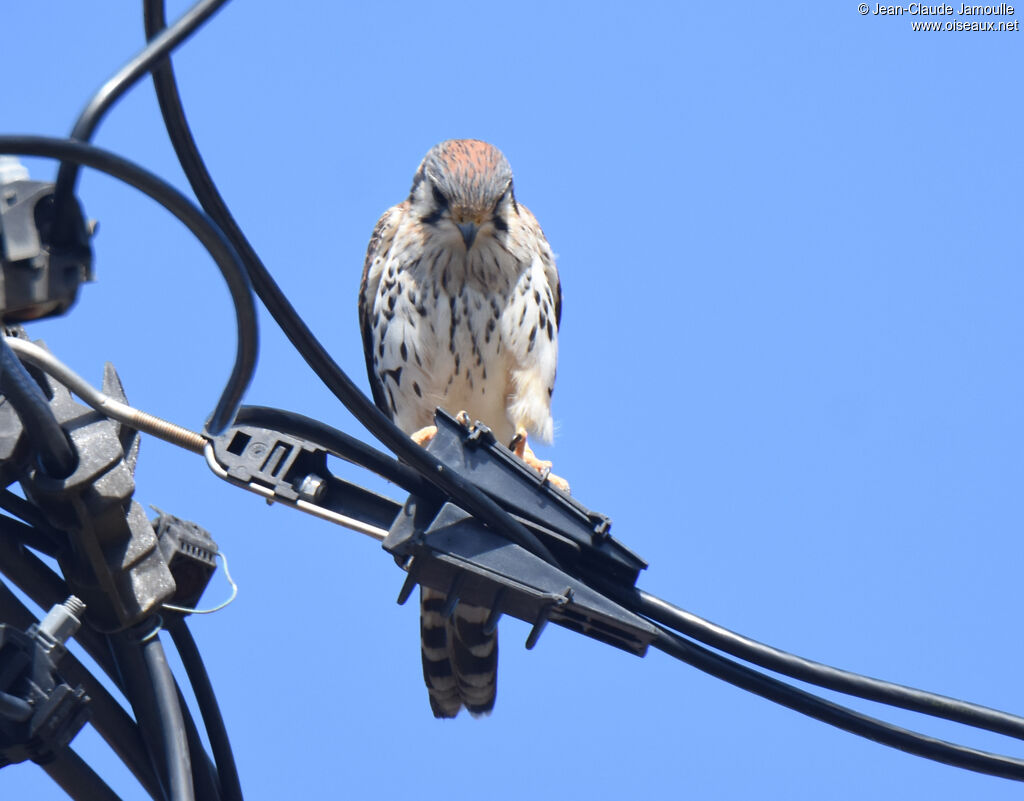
(230, 786)
(172, 724)
(116, 654)
(36, 538)
(47, 539)
(824, 675)
(205, 781)
(464, 492)
(134, 677)
(47, 589)
(56, 456)
(198, 223)
(836, 715)
(338, 442)
(112, 91)
(106, 715)
(77, 779)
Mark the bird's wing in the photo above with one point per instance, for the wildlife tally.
(376, 258)
(530, 329)
(550, 271)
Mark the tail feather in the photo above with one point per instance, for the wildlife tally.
(460, 661)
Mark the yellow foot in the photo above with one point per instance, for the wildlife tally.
(521, 448)
(424, 435)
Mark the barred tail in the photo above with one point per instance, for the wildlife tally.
(460, 661)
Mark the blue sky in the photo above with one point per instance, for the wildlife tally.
(789, 240)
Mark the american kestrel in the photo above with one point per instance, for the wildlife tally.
(459, 308)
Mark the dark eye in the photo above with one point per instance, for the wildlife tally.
(439, 198)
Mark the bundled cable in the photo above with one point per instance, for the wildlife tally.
(56, 455)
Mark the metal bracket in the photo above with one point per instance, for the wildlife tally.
(293, 471)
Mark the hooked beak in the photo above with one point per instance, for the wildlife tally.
(468, 230)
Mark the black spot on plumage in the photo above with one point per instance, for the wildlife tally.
(549, 330)
(533, 338)
(395, 375)
(418, 391)
(543, 320)
(391, 303)
(404, 351)
(522, 316)
(458, 363)
(536, 296)
(550, 391)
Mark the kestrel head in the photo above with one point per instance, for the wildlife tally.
(464, 185)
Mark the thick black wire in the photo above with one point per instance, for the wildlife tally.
(106, 715)
(198, 223)
(56, 456)
(220, 744)
(45, 538)
(831, 678)
(46, 588)
(339, 443)
(836, 715)
(111, 92)
(464, 492)
(172, 722)
(77, 779)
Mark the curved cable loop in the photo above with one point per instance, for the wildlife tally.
(112, 91)
(204, 229)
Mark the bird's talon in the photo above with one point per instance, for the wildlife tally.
(424, 435)
(558, 482)
(463, 419)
